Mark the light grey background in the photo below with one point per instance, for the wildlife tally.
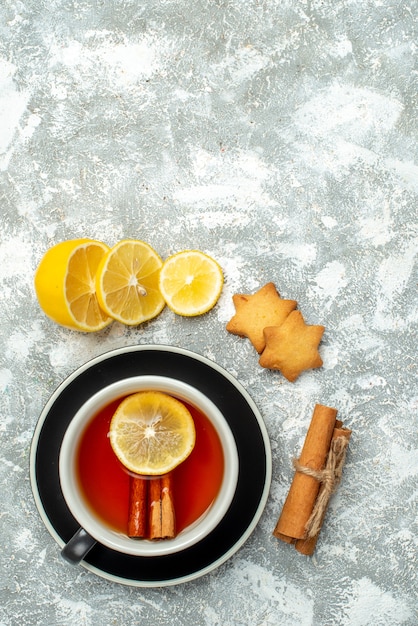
(280, 138)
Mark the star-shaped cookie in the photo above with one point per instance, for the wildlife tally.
(255, 312)
(292, 347)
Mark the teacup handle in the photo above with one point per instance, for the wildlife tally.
(79, 545)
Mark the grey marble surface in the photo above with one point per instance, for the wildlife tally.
(280, 138)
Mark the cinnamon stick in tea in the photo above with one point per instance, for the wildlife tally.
(162, 514)
(138, 513)
(292, 525)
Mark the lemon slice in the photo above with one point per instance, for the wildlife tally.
(127, 282)
(65, 284)
(191, 282)
(151, 433)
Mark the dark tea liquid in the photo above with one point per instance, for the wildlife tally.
(105, 482)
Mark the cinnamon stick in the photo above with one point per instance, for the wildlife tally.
(137, 515)
(162, 515)
(309, 479)
(304, 489)
(307, 546)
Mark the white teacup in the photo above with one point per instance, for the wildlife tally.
(92, 527)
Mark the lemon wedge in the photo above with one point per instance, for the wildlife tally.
(65, 284)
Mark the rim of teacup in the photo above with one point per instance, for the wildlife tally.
(81, 509)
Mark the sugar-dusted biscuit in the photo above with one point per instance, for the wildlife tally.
(292, 347)
(255, 312)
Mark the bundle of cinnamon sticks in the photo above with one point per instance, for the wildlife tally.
(151, 507)
(318, 473)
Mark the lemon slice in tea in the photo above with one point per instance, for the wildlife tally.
(151, 433)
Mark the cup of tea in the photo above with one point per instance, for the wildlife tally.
(97, 488)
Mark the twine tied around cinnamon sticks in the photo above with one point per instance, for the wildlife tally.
(329, 477)
(318, 473)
